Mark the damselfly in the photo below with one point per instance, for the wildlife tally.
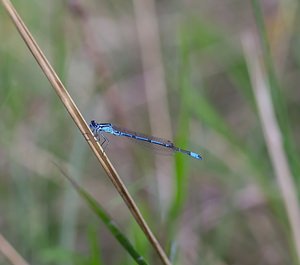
(99, 128)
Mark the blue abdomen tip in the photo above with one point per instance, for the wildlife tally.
(195, 155)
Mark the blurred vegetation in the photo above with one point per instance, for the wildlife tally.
(226, 209)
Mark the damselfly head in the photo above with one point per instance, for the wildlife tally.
(93, 125)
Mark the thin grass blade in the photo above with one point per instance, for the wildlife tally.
(110, 224)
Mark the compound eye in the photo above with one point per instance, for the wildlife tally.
(92, 124)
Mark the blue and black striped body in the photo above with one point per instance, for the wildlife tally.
(99, 128)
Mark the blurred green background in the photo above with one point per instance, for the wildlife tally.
(173, 69)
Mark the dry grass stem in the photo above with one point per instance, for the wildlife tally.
(83, 127)
(10, 253)
(273, 138)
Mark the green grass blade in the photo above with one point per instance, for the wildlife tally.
(95, 254)
(97, 209)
